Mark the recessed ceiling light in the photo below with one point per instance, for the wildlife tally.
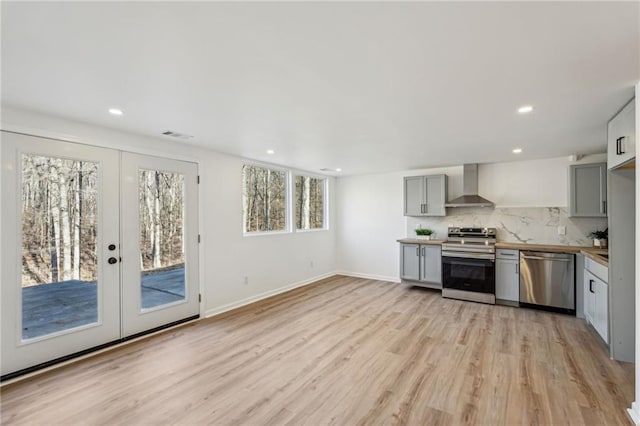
(338, 170)
(270, 152)
(517, 150)
(525, 109)
(115, 111)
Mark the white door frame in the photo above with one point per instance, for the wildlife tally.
(18, 353)
(79, 142)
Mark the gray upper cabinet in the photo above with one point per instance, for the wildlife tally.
(621, 137)
(588, 190)
(425, 195)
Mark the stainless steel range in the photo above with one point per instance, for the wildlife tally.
(468, 264)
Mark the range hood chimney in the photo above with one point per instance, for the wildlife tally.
(470, 190)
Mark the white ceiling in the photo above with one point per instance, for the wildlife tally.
(366, 87)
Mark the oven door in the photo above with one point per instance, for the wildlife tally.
(469, 274)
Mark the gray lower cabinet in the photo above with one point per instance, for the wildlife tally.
(508, 276)
(588, 190)
(421, 264)
(425, 195)
(596, 309)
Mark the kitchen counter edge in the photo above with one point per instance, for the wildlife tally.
(419, 241)
(590, 252)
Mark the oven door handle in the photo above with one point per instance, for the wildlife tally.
(479, 256)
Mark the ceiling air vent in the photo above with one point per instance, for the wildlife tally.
(177, 135)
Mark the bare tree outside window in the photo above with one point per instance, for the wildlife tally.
(264, 196)
(309, 202)
(59, 210)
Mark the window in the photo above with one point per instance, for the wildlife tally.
(309, 202)
(264, 197)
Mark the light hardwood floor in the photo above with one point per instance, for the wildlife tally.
(344, 351)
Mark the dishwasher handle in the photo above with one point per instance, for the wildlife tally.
(549, 259)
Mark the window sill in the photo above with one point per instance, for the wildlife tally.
(263, 233)
(304, 231)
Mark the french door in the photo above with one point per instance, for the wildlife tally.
(97, 245)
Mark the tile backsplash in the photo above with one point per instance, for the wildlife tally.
(532, 225)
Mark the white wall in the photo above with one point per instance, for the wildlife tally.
(370, 219)
(533, 183)
(272, 262)
(370, 213)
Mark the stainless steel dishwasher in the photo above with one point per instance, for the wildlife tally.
(547, 280)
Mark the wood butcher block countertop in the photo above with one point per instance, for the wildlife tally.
(596, 255)
(590, 252)
(419, 241)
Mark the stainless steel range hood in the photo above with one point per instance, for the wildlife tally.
(470, 190)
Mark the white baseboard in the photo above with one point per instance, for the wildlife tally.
(369, 276)
(634, 413)
(252, 299)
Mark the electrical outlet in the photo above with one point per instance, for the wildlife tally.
(246, 280)
(562, 230)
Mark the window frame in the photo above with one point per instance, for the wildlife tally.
(287, 199)
(325, 201)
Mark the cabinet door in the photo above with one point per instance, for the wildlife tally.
(436, 196)
(588, 190)
(507, 280)
(410, 261)
(431, 264)
(601, 314)
(589, 296)
(414, 196)
(623, 126)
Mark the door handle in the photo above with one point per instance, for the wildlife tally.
(604, 207)
(112, 260)
(591, 286)
(423, 251)
(417, 251)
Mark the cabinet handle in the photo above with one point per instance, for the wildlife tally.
(604, 207)
(517, 269)
(591, 286)
(418, 251)
(423, 251)
(619, 141)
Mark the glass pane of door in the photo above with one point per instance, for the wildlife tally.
(162, 248)
(59, 235)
